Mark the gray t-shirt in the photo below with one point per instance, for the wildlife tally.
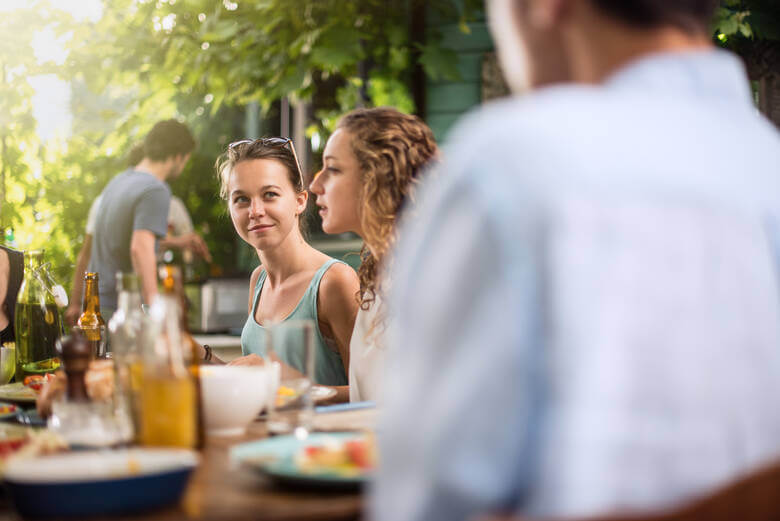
(132, 201)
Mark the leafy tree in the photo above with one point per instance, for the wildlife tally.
(758, 19)
(18, 141)
(202, 61)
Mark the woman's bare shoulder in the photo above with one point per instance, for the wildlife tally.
(340, 274)
(340, 283)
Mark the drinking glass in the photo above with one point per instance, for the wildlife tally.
(96, 337)
(7, 363)
(291, 346)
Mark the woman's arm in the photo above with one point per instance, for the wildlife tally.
(200, 352)
(73, 311)
(337, 307)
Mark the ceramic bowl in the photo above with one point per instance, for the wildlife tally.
(89, 483)
(232, 397)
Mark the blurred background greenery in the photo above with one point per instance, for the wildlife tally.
(236, 69)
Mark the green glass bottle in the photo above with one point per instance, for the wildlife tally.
(37, 323)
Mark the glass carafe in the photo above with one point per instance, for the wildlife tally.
(56, 290)
(37, 323)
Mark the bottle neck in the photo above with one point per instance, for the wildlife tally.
(32, 262)
(91, 297)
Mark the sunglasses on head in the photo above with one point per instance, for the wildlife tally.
(273, 142)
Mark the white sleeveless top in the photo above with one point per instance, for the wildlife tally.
(366, 356)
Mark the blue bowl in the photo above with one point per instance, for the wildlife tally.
(99, 482)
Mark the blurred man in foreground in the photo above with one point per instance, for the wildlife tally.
(586, 310)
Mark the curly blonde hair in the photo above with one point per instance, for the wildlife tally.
(392, 149)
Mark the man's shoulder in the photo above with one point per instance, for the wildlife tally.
(537, 123)
(132, 185)
(549, 107)
(503, 143)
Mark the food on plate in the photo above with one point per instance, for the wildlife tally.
(285, 391)
(37, 381)
(99, 379)
(53, 389)
(8, 408)
(23, 442)
(352, 457)
(9, 446)
(285, 395)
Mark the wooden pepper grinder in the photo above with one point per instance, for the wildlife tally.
(75, 353)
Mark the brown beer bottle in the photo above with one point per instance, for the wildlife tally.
(91, 321)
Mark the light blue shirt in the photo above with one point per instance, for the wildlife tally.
(585, 311)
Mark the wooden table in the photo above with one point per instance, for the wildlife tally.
(219, 491)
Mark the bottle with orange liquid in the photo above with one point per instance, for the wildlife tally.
(169, 408)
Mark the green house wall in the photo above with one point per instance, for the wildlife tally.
(447, 100)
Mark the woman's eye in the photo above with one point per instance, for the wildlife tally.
(239, 199)
(271, 194)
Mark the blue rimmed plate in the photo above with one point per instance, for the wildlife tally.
(276, 458)
(88, 483)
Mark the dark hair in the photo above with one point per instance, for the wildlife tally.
(168, 138)
(260, 149)
(136, 154)
(689, 15)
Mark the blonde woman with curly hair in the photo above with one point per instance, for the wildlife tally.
(371, 166)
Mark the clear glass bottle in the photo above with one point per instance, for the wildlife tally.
(169, 387)
(37, 323)
(124, 331)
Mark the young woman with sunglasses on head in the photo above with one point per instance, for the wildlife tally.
(371, 165)
(262, 183)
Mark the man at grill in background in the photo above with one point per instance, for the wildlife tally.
(585, 313)
(181, 236)
(133, 213)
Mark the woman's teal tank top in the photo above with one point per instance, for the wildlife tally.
(328, 367)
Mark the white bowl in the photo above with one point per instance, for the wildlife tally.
(232, 397)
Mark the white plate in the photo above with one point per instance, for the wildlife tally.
(321, 393)
(82, 466)
(17, 392)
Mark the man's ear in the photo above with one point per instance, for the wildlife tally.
(546, 14)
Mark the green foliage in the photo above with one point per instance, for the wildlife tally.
(199, 61)
(737, 20)
(263, 50)
(24, 203)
